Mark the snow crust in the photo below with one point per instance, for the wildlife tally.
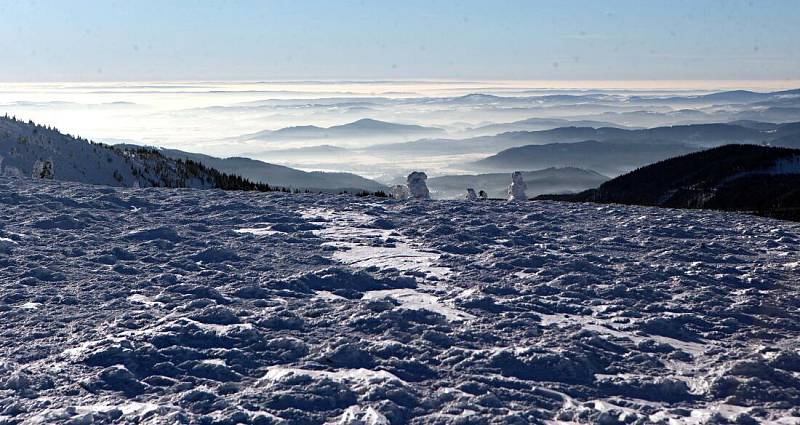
(192, 306)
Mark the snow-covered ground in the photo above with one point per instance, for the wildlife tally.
(191, 306)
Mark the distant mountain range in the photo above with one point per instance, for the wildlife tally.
(641, 110)
(698, 135)
(31, 150)
(305, 152)
(608, 150)
(549, 180)
(536, 124)
(362, 128)
(732, 96)
(278, 175)
(24, 146)
(773, 114)
(723, 97)
(756, 125)
(606, 157)
(759, 179)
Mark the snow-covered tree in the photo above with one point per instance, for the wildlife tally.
(516, 190)
(43, 169)
(417, 187)
(400, 192)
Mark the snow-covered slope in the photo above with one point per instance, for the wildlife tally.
(763, 180)
(204, 306)
(26, 147)
(22, 144)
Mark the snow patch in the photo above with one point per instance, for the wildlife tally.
(415, 300)
(345, 230)
(258, 231)
(363, 376)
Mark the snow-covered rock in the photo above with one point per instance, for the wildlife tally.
(417, 188)
(516, 190)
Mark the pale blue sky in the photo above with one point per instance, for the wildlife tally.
(80, 40)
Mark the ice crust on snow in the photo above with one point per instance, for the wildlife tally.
(191, 306)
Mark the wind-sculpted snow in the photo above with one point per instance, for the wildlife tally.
(191, 306)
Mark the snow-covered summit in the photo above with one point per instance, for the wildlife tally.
(196, 306)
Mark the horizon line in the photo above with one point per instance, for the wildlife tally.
(764, 85)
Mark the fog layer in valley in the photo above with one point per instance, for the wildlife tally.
(384, 130)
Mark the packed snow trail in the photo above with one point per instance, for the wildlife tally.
(191, 306)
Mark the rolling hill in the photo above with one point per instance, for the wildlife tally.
(279, 175)
(759, 179)
(697, 135)
(606, 157)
